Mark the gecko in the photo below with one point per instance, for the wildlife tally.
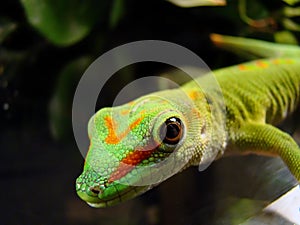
(136, 146)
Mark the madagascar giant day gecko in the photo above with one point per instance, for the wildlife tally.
(184, 127)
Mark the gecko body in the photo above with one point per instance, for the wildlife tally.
(139, 144)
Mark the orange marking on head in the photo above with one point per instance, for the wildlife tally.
(196, 112)
(128, 163)
(112, 137)
(120, 172)
(131, 103)
(125, 111)
(193, 94)
(261, 64)
(143, 111)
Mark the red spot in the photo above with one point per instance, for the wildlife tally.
(261, 64)
(128, 163)
(242, 67)
(193, 95)
(132, 159)
(113, 137)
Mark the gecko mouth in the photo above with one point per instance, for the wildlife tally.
(113, 199)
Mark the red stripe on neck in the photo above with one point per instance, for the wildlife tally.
(128, 163)
(131, 160)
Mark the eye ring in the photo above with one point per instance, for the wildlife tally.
(171, 131)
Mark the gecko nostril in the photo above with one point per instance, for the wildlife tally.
(95, 190)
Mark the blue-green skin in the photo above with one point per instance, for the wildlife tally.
(258, 96)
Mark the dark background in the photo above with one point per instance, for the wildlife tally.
(39, 71)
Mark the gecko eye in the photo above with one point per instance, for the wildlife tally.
(171, 131)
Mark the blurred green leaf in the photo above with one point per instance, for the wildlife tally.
(6, 28)
(253, 48)
(61, 102)
(290, 24)
(254, 13)
(285, 37)
(291, 11)
(65, 22)
(291, 2)
(117, 13)
(195, 3)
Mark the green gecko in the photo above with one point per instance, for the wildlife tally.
(135, 146)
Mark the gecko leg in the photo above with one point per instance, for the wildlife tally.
(269, 140)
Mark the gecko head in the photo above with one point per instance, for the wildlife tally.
(134, 147)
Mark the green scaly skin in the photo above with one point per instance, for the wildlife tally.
(128, 145)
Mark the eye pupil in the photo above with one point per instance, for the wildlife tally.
(172, 131)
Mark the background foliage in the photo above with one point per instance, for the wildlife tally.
(45, 46)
